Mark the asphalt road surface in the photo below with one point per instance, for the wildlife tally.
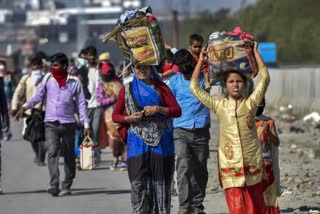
(94, 192)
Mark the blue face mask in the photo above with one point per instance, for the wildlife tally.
(82, 62)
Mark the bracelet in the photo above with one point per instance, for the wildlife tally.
(158, 108)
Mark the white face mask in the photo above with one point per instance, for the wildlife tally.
(36, 76)
(82, 62)
(36, 71)
(2, 67)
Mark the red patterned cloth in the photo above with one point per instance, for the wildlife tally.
(245, 200)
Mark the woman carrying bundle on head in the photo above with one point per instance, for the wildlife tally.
(146, 105)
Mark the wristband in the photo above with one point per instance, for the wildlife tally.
(158, 108)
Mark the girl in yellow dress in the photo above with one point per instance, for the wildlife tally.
(240, 156)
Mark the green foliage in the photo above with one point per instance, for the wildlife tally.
(291, 24)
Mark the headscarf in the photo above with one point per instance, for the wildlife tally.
(138, 95)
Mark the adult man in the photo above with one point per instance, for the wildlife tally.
(94, 109)
(191, 137)
(26, 88)
(60, 90)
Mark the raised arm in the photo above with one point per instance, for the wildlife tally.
(264, 79)
(203, 96)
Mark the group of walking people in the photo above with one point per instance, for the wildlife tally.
(76, 99)
(161, 126)
(161, 121)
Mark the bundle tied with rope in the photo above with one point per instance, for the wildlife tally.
(231, 51)
(138, 35)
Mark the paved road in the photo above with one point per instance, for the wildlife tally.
(94, 192)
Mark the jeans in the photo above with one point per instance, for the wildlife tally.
(95, 119)
(60, 138)
(192, 150)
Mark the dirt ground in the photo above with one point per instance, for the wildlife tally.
(299, 165)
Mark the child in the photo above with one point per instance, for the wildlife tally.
(269, 140)
(195, 46)
(167, 68)
(240, 157)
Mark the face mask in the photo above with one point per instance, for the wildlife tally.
(106, 69)
(58, 72)
(1, 66)
(37, 71)
(166, 68)
(82, 62)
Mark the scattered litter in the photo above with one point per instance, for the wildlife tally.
(312, 117)
(286, 192)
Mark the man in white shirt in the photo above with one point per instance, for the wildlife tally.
(93, 107)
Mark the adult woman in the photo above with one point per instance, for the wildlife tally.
(148, 103)
(240, 158)
(107, 92)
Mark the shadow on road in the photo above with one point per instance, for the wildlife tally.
(78, 192)
(75, 192)
(25, 192)
(303, 208)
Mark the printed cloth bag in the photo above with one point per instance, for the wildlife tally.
(87, 161)
(229, 52)
(139, 38)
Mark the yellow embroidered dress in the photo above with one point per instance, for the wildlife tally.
(240, 156)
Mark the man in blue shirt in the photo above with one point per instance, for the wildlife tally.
(191, 138)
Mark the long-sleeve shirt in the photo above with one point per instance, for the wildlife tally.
(194, 113)
(240, 156)
(93, 80)
(59, 101)
(166, 96)
(107, 92)
(25, 89)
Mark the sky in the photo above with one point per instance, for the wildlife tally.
(195, 5)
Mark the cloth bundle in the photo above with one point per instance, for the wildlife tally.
(229, 52)
(138, 35)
